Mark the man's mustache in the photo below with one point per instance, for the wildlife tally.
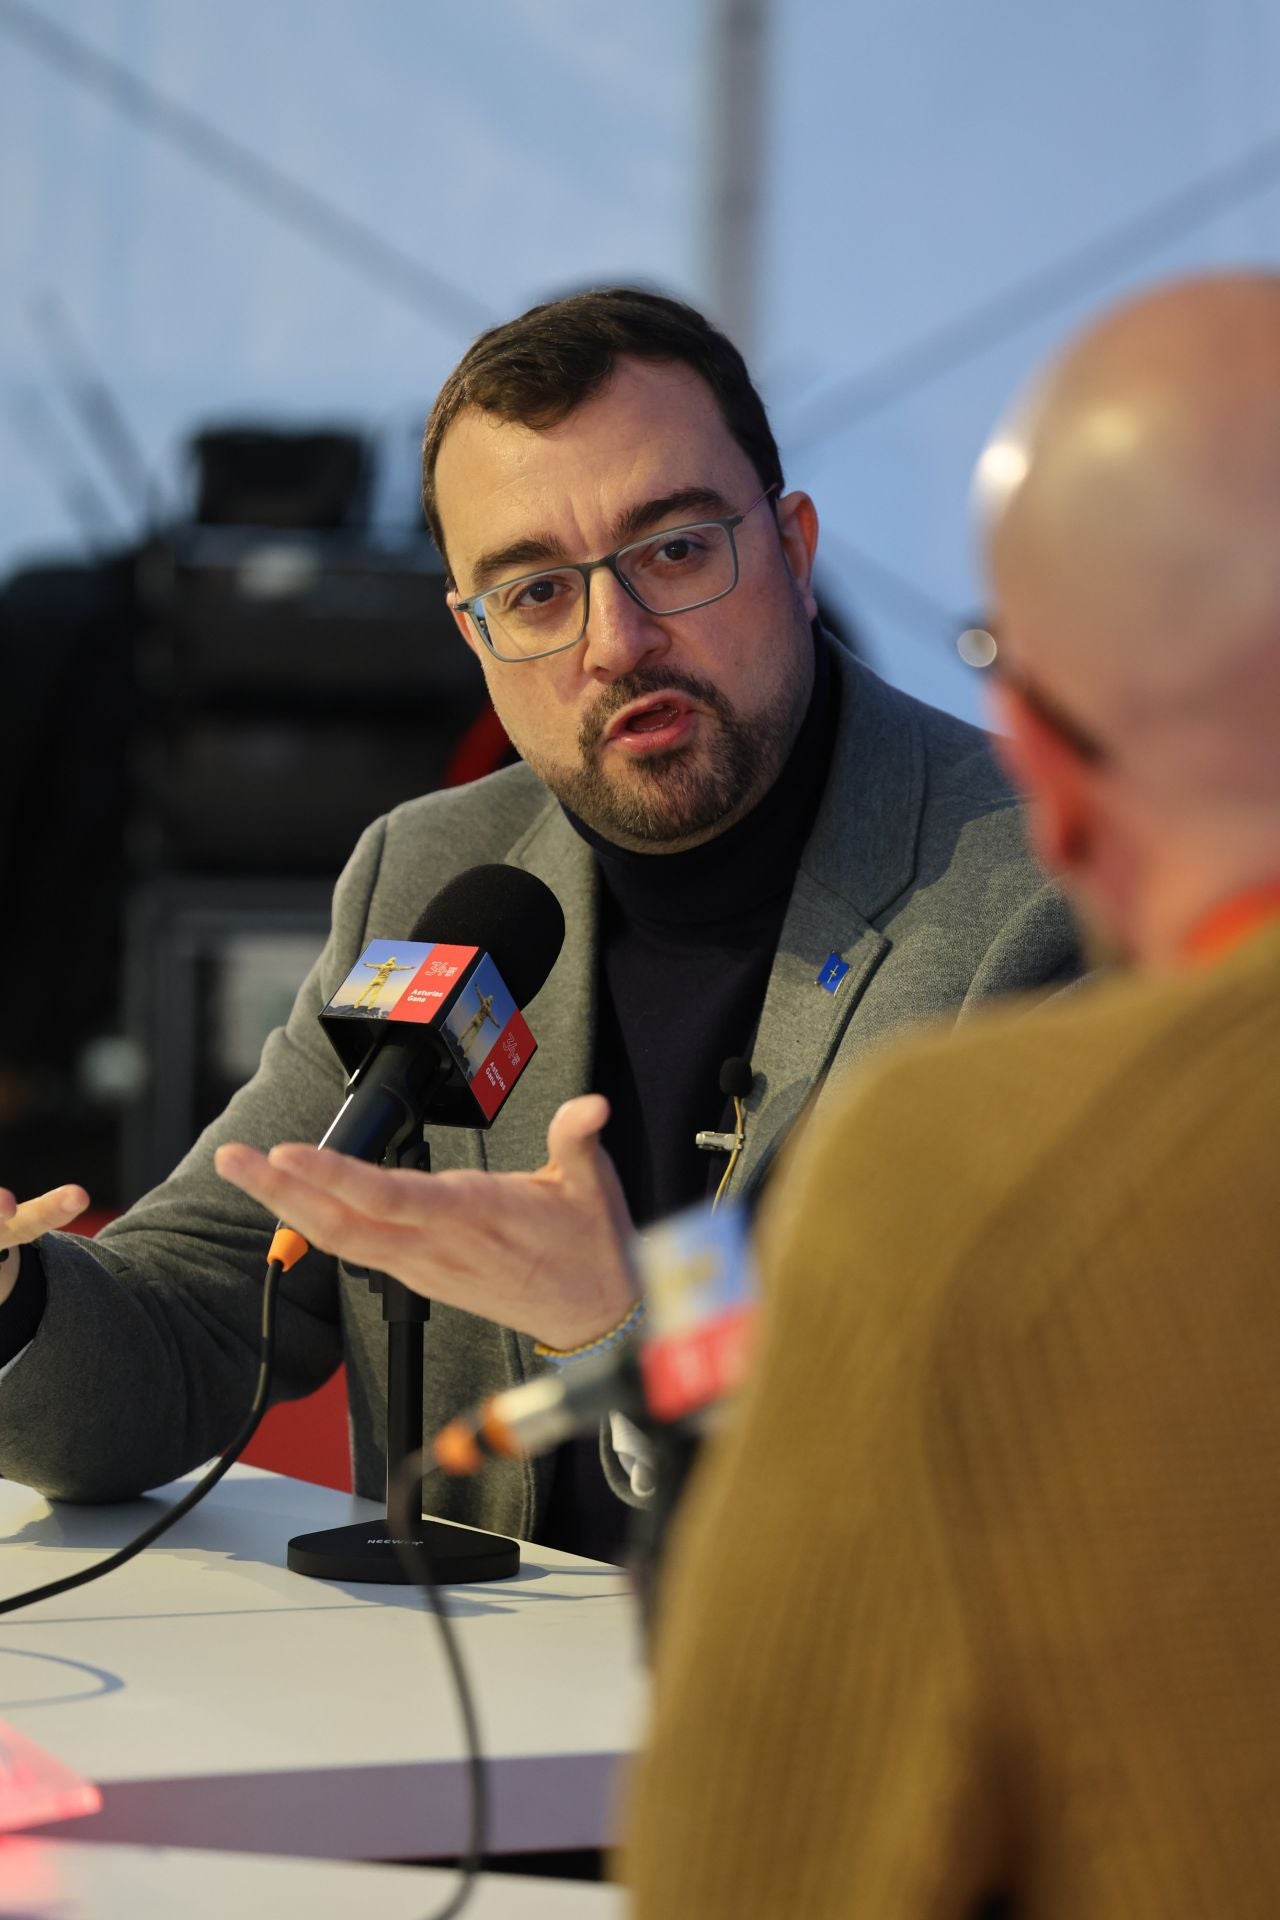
(635, 686)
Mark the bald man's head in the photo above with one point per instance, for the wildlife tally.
(1131, 509)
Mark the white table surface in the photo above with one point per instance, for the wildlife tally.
(219, 1700)
(62, 1880)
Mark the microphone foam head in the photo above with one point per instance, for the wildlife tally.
(508, 913)
(736, 1077)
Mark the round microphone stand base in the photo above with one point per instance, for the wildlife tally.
(366, 1550)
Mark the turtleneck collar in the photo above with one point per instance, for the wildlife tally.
(751, 863)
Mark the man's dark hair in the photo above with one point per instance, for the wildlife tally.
(536, 370)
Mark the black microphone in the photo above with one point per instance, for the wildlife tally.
(530, 1419)
(431, 1030)
(736, 1078)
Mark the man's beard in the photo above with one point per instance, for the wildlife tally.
(686, 793)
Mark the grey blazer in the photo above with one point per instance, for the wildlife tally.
(915, 874)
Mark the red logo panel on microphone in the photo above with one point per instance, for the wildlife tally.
(432, 984)
(502, 1067)
(701, 1289)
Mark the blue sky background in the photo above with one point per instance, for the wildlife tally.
(920, 161)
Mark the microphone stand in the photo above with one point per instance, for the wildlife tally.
(366, 1549)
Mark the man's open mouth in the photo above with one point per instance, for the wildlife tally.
(655, 721)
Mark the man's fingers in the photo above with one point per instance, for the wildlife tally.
(26, 1221)
(433, 1206)
(396, 1195)
(254, 1174)
(67, 1201)
(386, 1195)
(240, 1165)
(382, 1192)
(318, 1214)
(573, 1138)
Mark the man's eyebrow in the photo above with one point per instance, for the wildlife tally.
(518, 556)
(683, 500)
(540, 549)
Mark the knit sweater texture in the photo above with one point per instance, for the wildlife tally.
(975, 1607)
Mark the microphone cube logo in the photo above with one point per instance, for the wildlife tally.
(436, 979)
(458, 992)
(487, 1036)
(401, 980)
(700, 1287)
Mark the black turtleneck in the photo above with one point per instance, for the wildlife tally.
(686, 942)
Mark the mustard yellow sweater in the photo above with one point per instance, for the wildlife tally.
(979, 1596)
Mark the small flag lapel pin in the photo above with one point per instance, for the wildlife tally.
(833, 972)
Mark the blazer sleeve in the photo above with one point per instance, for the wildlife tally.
(146, 1356)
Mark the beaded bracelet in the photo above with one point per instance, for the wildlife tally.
(560, 1356)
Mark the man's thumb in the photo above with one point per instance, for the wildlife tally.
(574, 1134)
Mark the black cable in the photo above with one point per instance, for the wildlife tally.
(1040, 295)
(220, 1466)
(404, 1494)
(257, 180)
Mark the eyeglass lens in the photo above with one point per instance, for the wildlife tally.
(667, 574)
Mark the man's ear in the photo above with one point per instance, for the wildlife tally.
(798, 529)
(1056, 783)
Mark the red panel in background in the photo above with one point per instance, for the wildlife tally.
(304, 1438)
(92, 1221)
(483, 748)
(307, 1438)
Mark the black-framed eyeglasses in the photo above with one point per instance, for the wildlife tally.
(979, 648)
(671, 571)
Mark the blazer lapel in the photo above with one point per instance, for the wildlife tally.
(802, 1020)
(860, 857)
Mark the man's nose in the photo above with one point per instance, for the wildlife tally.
(620, 632)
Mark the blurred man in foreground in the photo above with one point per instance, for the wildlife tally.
(976, 1610)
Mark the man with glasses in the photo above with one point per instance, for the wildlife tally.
(762, 851)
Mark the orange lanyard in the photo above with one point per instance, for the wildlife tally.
(1231, 923)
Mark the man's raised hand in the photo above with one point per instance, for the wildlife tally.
(25, 1220)
(542, 1252)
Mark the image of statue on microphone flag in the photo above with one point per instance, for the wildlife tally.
(379, 977)
(488, 1036)
(481, 1013)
